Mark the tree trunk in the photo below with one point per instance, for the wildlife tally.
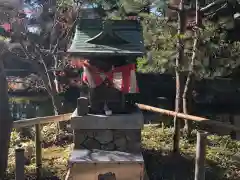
(5, 122)
(186, 95)
(186, 99)
(179, 60)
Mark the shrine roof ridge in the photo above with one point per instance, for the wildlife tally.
(97, 36)
(85, 24)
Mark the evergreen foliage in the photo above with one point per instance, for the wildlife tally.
(216, 56)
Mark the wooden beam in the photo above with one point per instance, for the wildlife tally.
(41, 120)
(188, 117)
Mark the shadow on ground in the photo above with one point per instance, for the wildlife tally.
(176, 167)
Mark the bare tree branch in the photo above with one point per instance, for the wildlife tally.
(211, 5)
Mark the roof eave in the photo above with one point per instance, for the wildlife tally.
(105, 53)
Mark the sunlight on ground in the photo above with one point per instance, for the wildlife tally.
(157, 143)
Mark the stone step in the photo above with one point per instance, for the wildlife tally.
(105, 165)
(101, 156)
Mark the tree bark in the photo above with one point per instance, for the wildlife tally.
(5, 121)
(186, 95)
(179, 60)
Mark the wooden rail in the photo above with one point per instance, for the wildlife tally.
(201, 136)
(188, 117)
(41, 120)
(38, 140)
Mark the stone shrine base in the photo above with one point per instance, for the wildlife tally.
(120, 132)
(105, 165)
(107, 147)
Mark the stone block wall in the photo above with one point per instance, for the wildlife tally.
(125, 140)
(118, 132)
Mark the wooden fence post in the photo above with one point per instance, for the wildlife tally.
(200, 155)
(38, 145)
(20, 162)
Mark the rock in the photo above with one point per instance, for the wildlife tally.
(108, 147)
(90, 133)
(79, 136)
(104, 136)
(119, 133)
(92, 144)
(79, 146)
(133, 135)
(121, 143)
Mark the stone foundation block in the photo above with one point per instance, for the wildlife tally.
(128, 140)
(105, 165)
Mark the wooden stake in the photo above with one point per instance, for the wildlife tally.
(38, 145)
(20, 162)
(5, 115)
(200, 155)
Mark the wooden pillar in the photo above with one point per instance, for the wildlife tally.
(38, 145)
(200, 155)
(231, 120)
(20, 162)
(236, 123)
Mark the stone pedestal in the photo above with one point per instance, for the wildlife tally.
(105, 165)
(111, 133)
(107, 144)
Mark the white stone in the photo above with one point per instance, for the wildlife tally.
(100, 156)
(90, 164)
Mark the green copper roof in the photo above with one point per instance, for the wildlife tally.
(111, 37)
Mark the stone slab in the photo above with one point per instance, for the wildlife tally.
(115, 121)
(100, 156)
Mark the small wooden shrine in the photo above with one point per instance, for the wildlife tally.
(106, 51)
(107, 129)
